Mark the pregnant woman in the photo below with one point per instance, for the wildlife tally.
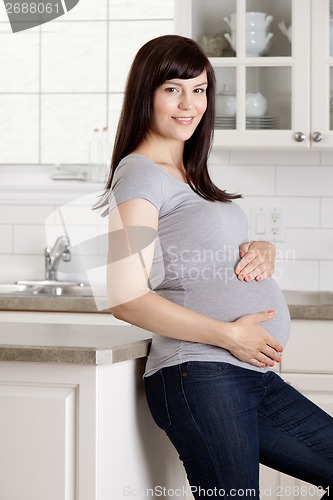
(180, 266)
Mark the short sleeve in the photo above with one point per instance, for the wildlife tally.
(136, 177)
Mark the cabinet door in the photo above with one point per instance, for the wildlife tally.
(319, 389)
(38, 436)
(322, 75)
(309, 349)
(256, 62)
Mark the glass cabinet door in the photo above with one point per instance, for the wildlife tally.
(274, 68)
(260, 51)
(322, 75)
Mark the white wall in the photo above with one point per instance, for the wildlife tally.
(63, 79)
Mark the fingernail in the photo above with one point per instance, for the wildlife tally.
(271, 365)
(258, 278)
(271, 312)
(241, 276)
(278, 360)
(262, 365)
(242, 253)
(281, 350)
(248, 277)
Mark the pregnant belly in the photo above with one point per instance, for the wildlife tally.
(228, 302)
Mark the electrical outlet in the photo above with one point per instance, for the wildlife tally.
(268, 223)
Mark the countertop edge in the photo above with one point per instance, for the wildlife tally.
(88, 305)
(74, 355)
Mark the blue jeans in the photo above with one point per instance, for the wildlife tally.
(223, 420)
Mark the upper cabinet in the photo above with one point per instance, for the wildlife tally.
(274, 68)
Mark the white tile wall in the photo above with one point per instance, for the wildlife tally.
(60, 81)
(74, 57)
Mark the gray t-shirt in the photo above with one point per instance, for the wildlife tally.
(195, 261)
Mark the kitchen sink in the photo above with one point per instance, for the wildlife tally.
(9, 289)
(46, 287)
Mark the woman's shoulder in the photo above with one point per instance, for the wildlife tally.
(137, 162)
(136, 177)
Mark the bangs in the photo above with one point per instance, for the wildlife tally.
(183, 64)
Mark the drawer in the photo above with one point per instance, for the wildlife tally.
(310, 347)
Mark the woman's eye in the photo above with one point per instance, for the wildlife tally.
(199, 91)
(171, 89)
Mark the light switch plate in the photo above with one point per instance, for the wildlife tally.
(268, 223)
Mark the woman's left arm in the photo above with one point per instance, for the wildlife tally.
(257, 260)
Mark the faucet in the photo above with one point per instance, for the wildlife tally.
(52, 256)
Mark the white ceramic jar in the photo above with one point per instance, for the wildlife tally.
(256, 104)
(226, 104)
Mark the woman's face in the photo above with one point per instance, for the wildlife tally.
(178, 106)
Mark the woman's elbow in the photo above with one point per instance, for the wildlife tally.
(119, 312)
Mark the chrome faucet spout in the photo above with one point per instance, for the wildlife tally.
(60, 250)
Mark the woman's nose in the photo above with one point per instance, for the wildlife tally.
(185, 102)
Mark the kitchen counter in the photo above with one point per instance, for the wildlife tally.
(302, 305)
(72, 344)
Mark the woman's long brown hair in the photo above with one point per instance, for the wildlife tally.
(165, 58)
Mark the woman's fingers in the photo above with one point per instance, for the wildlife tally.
(257, 261)
(253, 344)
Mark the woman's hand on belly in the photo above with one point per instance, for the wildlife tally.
(257, 260)
(251, 343)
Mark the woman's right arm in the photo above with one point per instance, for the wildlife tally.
(131, 300)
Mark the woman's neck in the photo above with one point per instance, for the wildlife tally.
(170, 158)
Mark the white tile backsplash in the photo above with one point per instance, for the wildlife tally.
(21, 267)
(246, 180)
(19, 128)
(303, 180)
(145, 9)
(242, 157)
(314, 244)
(297, 275)
(68, 77)
(3, 13)
(24, 214)
(325, 275)
(6, 239)
(300, 212)
(29, 240)
(74, 57)
(125, 39)
(19, 55)
(67, 123)
(86, 10)
(327, 212)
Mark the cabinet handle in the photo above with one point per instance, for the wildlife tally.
(317, 136)
(299, 136)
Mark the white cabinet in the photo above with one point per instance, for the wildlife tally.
(295, 77)
(71, 432)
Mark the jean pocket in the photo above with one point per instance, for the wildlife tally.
(204, 369)
(157, 399)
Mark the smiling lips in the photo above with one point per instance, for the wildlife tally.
(184, 120)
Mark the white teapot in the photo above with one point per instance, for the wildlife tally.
(256, 104)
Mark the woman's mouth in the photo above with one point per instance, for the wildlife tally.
(184, 120)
